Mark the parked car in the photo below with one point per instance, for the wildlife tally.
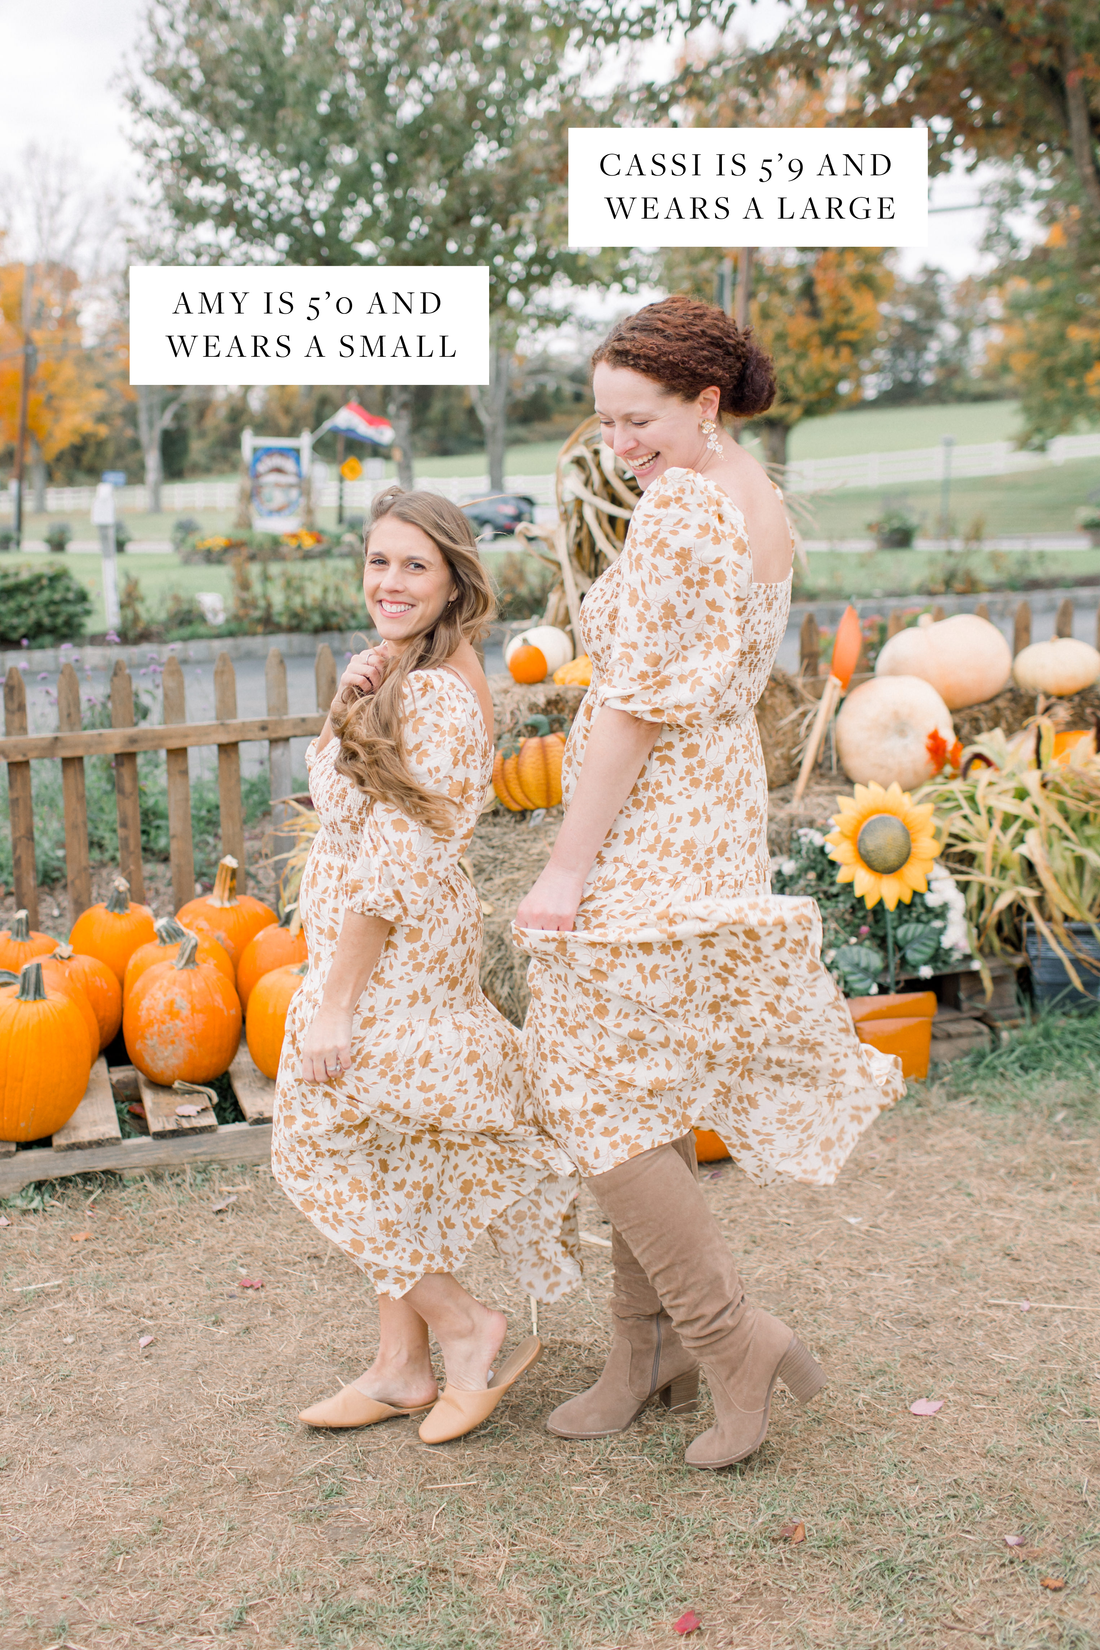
(499, 516)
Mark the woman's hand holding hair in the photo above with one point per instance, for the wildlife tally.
(363, 672)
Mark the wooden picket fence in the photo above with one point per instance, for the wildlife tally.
(123, 740)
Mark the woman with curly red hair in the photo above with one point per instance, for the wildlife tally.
(669, 989)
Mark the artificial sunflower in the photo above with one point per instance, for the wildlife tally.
(884, 843)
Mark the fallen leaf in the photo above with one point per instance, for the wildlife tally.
(216, 1208)
(688, 1623)
(79, 1237)
(146, 1340)
(136, 1109)
(1054, 1584)
(189, 1111)
(794, 1533)
(250, 1283)
(926, 1406)
(4, 1221)
(1025, 1306)
(1015, 1540)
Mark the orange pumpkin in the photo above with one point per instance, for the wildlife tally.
(21, 942)
(268, 1006)
(44, 1064)
(182, 1020)
(226, 915)
(530, 777)
(99, 986)
(56, 972)
(114, 930)
(528, 664)
(165, 948)
(277, 946)
(710, 1147)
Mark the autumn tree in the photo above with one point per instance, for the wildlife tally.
(65, 395)
(343, 131)
(1014, 82)
(815, 310)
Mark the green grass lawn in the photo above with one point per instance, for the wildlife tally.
(1041, 502)
(1035, 501)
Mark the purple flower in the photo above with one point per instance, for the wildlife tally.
(23, 665)
(113, 639)
(43, 675)
(24, 642)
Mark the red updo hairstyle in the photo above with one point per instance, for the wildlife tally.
(685, 346)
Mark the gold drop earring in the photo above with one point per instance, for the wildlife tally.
(710, 430)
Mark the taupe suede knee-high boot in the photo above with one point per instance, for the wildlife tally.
(647, 1358)
(655, 1202)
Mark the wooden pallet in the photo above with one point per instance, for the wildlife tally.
(92, 1139)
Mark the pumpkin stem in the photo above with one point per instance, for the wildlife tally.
(7, 977)
(225, 883)
(32, 987)
(63, 952)
(169, 931)
(20, 927)
(186, 956)
(287, 918)
(119, 899)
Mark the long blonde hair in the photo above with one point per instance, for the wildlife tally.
(370, 727)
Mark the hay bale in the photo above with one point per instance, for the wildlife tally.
(505, 857)
(780, 716)
(513, 702)
(1012, 709)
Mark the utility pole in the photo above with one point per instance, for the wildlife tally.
(30, 362)
(744, 286)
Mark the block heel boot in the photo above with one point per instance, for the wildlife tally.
(647, 1358)
(743, 1351)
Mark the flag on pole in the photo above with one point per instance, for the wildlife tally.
(356, 421)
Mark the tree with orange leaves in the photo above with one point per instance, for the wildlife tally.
(815, 310)
(817, 313)
(65, 396)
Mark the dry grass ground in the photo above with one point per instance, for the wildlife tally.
(166, 1496)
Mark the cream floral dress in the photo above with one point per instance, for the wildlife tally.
(428, 1140)
(689, 995)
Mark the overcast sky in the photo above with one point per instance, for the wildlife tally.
(60, 90)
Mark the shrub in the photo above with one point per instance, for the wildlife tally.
(123, 536)
(523, 586)
(57, 536)
(42, 605)
(184, 528)
(7, 538)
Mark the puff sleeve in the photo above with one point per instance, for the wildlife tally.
(399, 860)
(686, 570)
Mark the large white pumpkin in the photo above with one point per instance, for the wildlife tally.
(965, 658)
(1062, 665)
(552, 643)
(883, 729)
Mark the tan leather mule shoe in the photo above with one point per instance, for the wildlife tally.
(352, 1408)
(459, 1412)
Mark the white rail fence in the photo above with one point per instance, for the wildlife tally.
(805, 475)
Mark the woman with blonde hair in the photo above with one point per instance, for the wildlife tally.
(669, 988)
(401, 1125)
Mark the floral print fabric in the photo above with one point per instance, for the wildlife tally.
(428, 1140)
(688, 995)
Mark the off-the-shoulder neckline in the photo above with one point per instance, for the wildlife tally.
(697, 475)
